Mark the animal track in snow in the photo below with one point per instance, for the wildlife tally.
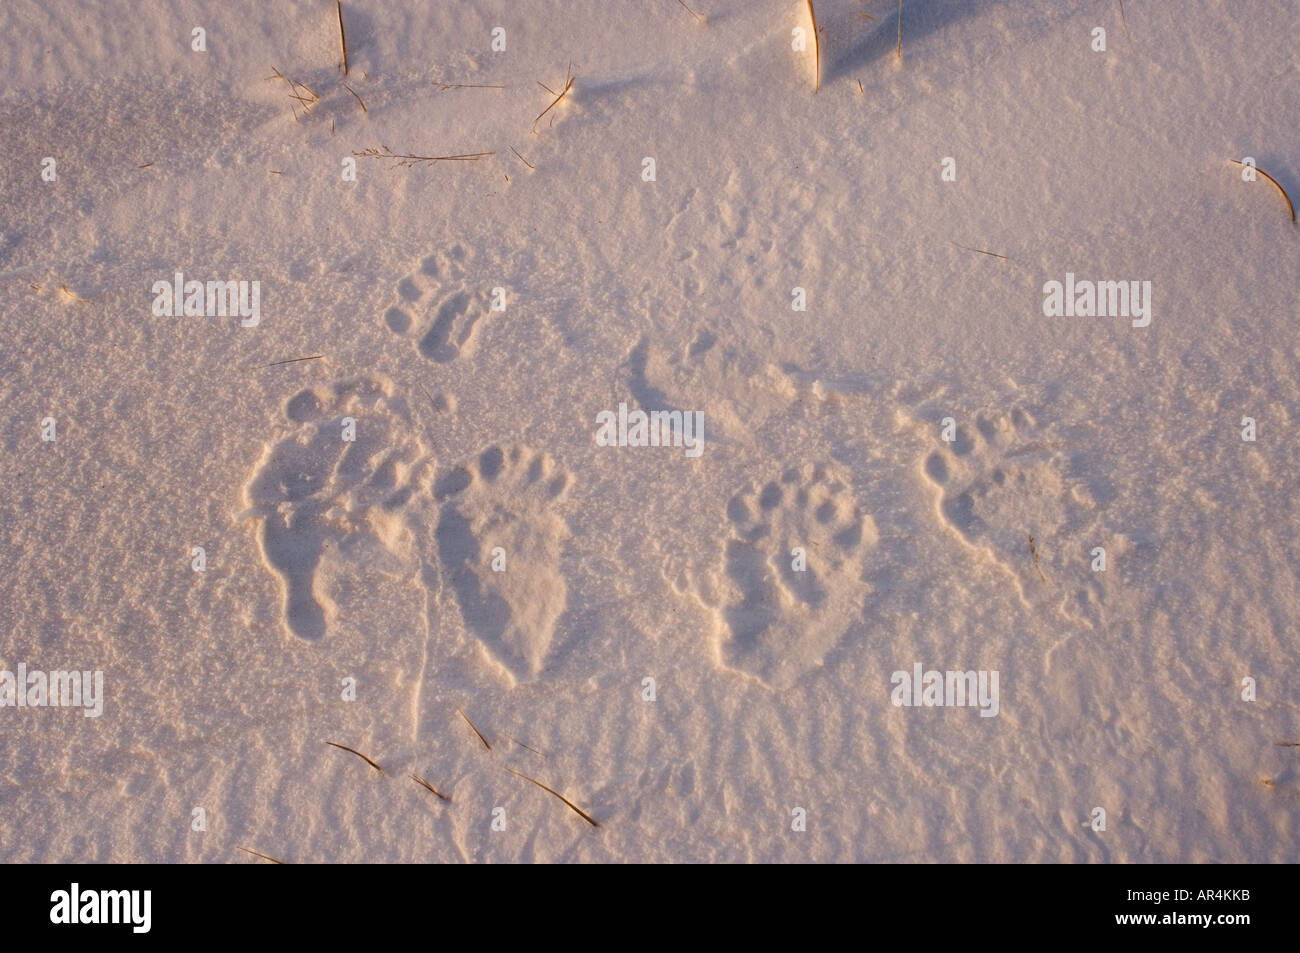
(438, 309)
(505, 499)
(997, 484)
(322, 496)
(740, 390)
(776, 622)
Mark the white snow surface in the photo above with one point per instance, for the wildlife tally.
(371, 559)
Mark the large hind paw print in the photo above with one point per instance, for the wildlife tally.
(997, 484)
(780, 616)
(499, 536)
(441, 304)
(321, 495)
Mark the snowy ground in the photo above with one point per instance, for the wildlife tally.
(371, 559)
